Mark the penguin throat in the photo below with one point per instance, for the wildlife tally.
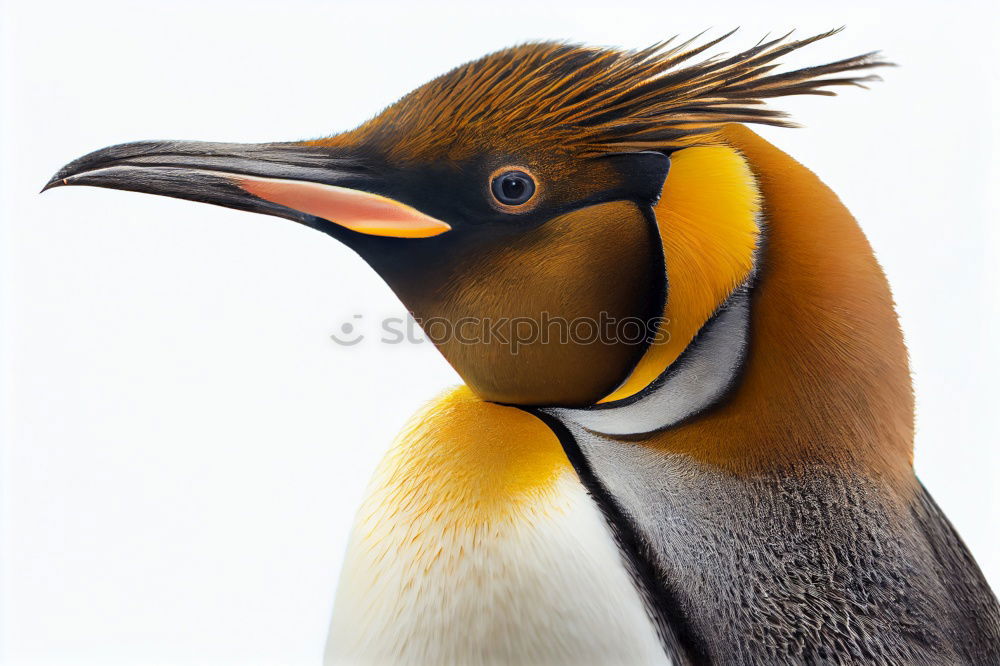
(699, 378)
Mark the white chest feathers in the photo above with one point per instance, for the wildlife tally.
(476, 549)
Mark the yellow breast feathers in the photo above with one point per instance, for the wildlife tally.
(477, 544)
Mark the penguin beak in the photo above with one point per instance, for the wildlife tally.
(319, 187)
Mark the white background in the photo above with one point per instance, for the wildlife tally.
(183, 445)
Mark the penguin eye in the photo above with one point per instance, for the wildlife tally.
(513, 187)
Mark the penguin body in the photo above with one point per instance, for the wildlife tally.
(733, 485)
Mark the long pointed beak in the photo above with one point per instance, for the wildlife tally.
(312, 185)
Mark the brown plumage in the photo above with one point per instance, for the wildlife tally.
(597, 100)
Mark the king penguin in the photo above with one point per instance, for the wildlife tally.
(700, 453)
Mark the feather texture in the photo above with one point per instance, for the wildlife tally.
(598, 100)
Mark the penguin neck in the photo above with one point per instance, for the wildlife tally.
(827, 376)
(824, 377)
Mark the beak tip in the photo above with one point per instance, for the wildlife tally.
(55, 182)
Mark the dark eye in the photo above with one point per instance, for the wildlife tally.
(513, 188)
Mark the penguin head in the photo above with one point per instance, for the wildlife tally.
(509, 203)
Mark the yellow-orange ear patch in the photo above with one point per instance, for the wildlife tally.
(707, 217)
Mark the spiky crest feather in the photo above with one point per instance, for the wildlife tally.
(599, 100)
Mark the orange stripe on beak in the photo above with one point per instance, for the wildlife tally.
(358, 211)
